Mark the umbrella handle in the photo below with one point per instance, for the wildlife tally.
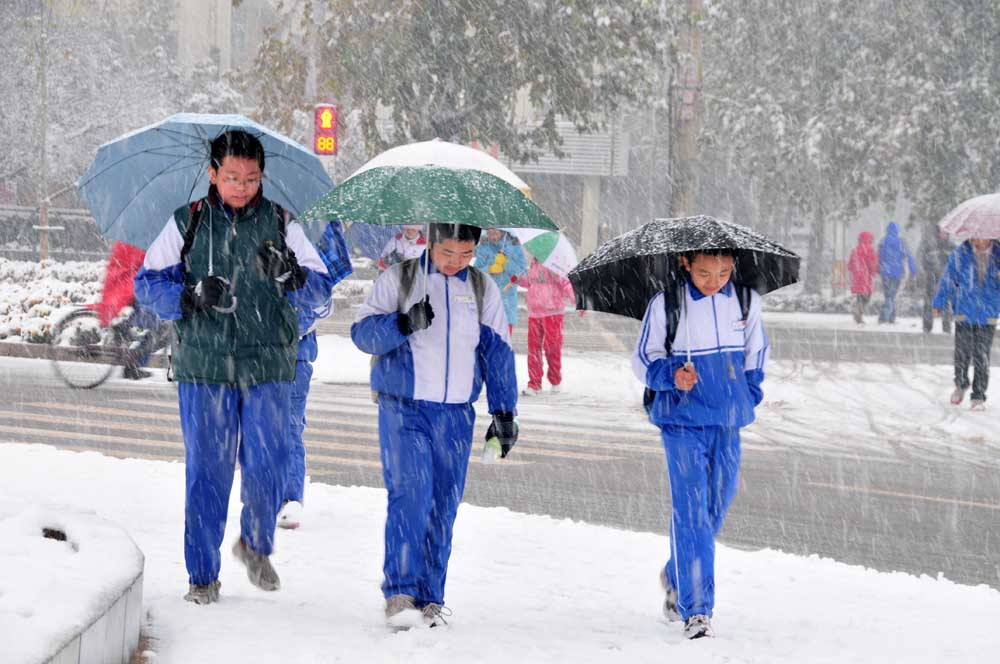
(226, 310)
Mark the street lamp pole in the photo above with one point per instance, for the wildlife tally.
(43, 179)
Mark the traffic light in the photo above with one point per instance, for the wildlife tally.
(325, 133)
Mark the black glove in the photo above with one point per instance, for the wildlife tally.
(504, 429)
(280, 265)
(419, 317)
(205, 294)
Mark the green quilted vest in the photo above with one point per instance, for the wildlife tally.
(258, 342)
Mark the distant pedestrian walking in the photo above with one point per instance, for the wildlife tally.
(933, 253)
(892, 253)
(548, 294)
(971, 284)
(862, 266)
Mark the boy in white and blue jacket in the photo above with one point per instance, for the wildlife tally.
(706, 389)
(434, 353)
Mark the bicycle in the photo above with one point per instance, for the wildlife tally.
(85, 353)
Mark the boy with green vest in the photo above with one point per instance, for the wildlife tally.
(230, 270)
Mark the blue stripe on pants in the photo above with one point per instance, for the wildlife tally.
(425, 454)
(295, 483)
(703, 464)
(222, 424)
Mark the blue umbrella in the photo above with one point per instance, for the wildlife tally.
(138, 179)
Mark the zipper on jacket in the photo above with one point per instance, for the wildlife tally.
(447, 337)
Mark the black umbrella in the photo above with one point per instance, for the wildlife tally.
(626, 272)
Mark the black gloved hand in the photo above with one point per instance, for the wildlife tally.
(280, 265)
(419, 317)
(205, 294)
(504, 429)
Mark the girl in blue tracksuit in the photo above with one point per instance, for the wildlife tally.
(971, 284)
(332, 250)
(433, 355)
(705, 391)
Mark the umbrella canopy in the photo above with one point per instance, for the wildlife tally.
(625, 273)
(550, 248)
(446, 155)
(977, 217)
(137, 180)
(409, 192)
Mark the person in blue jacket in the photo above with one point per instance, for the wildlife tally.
(500, 255)
(332, 250)
(892, 252)
(439, 333)
(705, 389)
(971, 284)
(230, 270)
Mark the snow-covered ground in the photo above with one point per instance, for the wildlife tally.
(522, 588)
(532, 588)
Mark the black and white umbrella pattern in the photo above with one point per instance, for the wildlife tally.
(625, 273)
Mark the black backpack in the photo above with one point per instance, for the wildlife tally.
(673, 313)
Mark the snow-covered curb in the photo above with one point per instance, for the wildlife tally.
(77, 595)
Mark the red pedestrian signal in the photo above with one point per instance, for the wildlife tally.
(325, 130)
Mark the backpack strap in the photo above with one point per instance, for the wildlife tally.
(195, 213)
(672, 310)
(743, 294)
(407, 278)
(479, 288)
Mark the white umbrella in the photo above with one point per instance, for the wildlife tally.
(551, 248)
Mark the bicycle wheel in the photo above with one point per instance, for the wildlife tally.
(84, 353)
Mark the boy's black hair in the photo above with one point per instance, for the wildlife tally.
(237, 143)
(461, 232)
(691, 255)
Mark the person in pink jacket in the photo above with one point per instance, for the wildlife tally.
(862, 266)
(548, 294)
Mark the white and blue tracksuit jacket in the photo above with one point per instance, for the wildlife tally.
(728, 354)
(447, 362)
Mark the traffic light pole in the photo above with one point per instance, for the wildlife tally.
(43, 179)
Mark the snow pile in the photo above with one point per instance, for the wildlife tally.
(522, 588)
(61, 570)
(34, 295)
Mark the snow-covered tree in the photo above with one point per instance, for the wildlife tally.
(454, 69)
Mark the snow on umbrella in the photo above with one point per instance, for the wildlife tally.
(625, 273)
(138, 179)
(550, 248)
(413, 192)
(446, 155)
(977, 217)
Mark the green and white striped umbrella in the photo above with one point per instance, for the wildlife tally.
(389, 195)
(551, 248)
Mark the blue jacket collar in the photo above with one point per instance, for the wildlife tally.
(462, 274)
(696, 294)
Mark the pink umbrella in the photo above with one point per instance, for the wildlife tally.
(977, 217)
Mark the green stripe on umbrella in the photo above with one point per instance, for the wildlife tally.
(542, 246)
(426, 195)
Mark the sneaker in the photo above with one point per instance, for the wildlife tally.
(402, 613)
(670, 611)
(556, 389)
(697, 626)
(290, 516)
(434, 615)
(977, 404)
(203, 593)
(259, 569)
(530, 392)
(957, 396)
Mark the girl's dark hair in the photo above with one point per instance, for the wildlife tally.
(237, 143)
(461, 232)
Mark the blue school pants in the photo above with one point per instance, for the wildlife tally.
(222, 424)
(703, 464)
(425, 453)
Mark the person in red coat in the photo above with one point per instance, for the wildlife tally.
(548, 295)
(124, 263)
(863, 266)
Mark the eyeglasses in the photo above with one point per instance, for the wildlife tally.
(249, 183)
